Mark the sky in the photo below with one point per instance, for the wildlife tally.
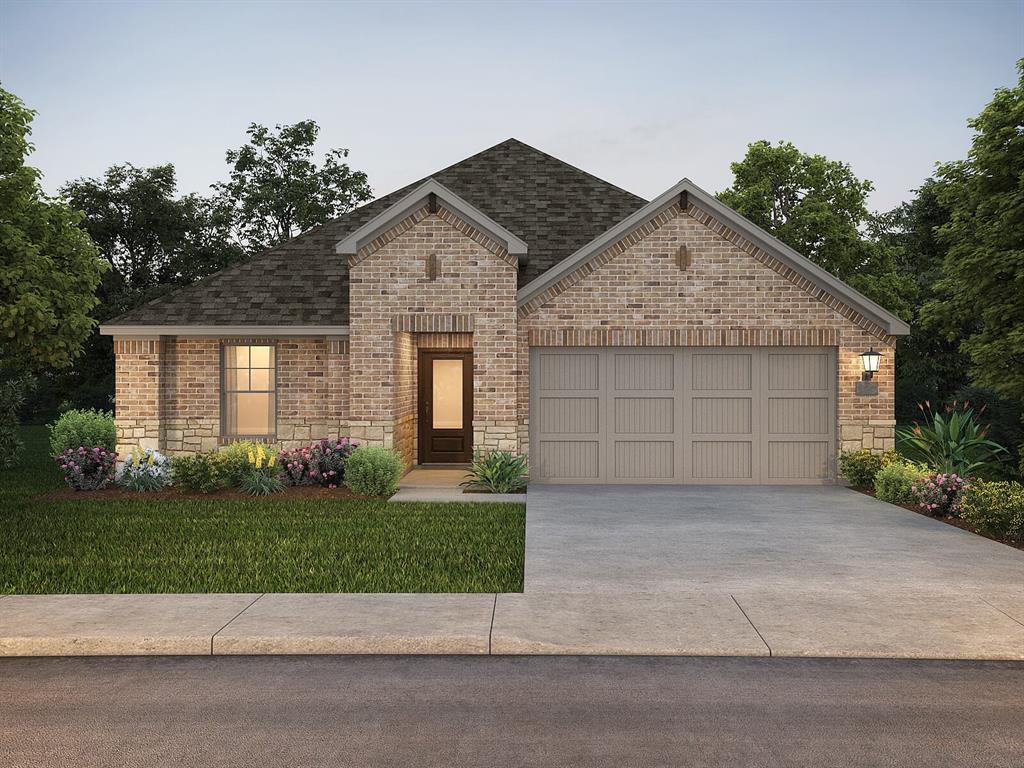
(641, 94)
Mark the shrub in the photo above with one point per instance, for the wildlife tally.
(263, 476)
(12, 398)
(996, 509)
(145, 471)
(860, 467)
(895, 481)
(87, 469)
(89, 428)
(320, 463)
(939, 494)
(954, 443)
(497, 472)
(235, 460)
(199, 473)
(373, 471)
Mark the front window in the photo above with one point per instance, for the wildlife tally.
(250, 398)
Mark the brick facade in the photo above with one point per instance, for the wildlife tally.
(470, 285)
(636, 293)
(433, 282)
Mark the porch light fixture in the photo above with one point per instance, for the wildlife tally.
(870, 360)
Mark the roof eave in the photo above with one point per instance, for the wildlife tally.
(114, 329)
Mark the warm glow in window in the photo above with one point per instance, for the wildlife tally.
(249, 398)
(447, 394)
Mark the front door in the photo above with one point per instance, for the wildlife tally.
(445, 407)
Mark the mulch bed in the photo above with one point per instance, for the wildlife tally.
(301, 492)
(956, 522)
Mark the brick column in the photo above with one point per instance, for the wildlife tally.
(137, 396)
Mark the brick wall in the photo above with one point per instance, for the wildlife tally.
(474, 286)
(168, 391)
(637, 294)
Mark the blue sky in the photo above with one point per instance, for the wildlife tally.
(640, 94)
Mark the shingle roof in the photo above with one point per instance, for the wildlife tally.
(553, 206)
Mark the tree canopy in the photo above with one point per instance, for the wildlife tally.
(275, 189)
(49, 268)
(149, 235)
(818, 207)
(980, 297)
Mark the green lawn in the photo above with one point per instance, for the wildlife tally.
(243, 545)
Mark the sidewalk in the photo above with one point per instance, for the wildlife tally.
(869, 624)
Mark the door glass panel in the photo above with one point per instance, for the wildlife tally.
(447, 394)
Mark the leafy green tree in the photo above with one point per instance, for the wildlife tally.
(818, 207)
(149, 235)
(929, 366)
(980, 298)
(276, 190)
(154, 240)
(50, 268)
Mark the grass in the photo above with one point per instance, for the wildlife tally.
(137, 545)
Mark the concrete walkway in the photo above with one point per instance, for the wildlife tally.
(441, 484)
(822, 572)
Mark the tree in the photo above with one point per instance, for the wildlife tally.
(981, 293)
(50, 268)
(929, 367)
(276, 191)
(818, 207)
(153, 241)
(149, 236)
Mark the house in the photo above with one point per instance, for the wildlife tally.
(513, 301)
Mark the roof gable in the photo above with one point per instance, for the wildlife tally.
(427, 194)
(804, 272)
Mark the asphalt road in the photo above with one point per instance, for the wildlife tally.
(504, 711)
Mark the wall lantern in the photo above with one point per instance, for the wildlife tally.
(870, 360)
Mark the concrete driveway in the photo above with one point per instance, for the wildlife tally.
(720, 570)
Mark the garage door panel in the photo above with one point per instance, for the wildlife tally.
(683, 415)
(798, 415)
(570, 415)
(645, 371)
(722, 371)
(722, 460)
(569, 459)
(644, 459)
(798, 371)
(797, 460)
(644, 415)
(560, 371)
(722, 415)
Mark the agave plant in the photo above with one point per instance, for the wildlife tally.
(497, 472)
(953, 442)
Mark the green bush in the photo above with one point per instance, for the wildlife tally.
(373, 471)
(199, 473)
(89, 428)
(860, 467)
(12, 398)
(235, 460)
(895, 481)
(954, 443)
(996, 509)
(497, 472)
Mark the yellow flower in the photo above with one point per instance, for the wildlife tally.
(272, 460)
(152, 456)
(252, 457)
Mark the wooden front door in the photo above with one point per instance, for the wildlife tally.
(445, 407)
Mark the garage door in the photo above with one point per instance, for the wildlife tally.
(686, 415)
